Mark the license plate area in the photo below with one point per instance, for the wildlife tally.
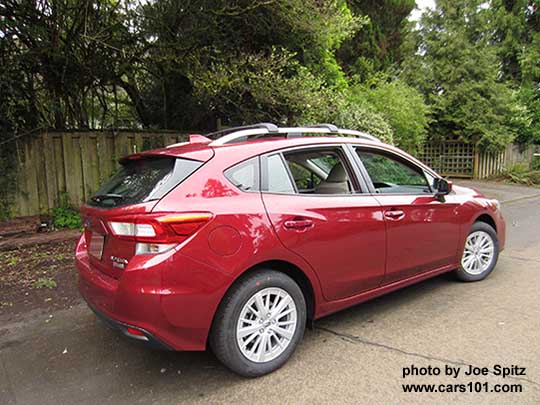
(96, 245)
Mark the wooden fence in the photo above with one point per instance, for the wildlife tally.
(75, 163)
(453, 159)
(459, 159)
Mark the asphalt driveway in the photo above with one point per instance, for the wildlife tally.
(355, 356)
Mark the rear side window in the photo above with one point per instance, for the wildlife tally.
(143, 180)
(278, 176)
(245, 175)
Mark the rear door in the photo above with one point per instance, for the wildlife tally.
(422, 231)
(319, 210)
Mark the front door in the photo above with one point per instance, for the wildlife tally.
(422, 231)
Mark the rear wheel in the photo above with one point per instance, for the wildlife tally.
(480, 253)
(259, 323)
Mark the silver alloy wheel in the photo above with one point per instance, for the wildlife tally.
(266, 325)
(478, 254)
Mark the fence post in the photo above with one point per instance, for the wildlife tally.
(476, 162)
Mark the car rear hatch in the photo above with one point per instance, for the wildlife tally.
(119, 216)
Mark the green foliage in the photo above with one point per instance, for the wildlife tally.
(535, 164)
(194, 44)
(64, 215)
(45, 282)
(255, 87)
(529, 92)
(457, 69)
(65, 61)
(522, 174)
(517, 38)
(377, 46)
(345, 112)
(402, 106)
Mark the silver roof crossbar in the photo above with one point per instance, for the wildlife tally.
(263, 125)
(330, 127)
(240, 134)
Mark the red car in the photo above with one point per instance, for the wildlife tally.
(238, 243)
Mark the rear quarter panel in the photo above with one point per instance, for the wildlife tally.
(239, 236)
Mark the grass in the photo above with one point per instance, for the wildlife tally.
(13, 261)
(45, 282)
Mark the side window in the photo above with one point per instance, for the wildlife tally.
(319, 171)
(278, 177)
(245, 175)
(390, 175)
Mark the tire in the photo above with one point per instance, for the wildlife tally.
(476, 269)
(247, 292)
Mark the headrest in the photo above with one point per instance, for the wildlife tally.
(337, 174)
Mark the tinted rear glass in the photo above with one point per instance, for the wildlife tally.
(143, 180)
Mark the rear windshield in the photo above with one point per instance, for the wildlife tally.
(143, 180)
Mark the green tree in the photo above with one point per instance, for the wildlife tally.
(189, 41)
(377, 46)
(517, 36)
(62, 60)
(455, 65)
(529, 90)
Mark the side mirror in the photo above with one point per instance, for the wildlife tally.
(442, 187)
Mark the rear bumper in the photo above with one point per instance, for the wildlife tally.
(171, 301)
(148, 339)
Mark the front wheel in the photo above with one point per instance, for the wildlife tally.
(259, 323)
(480, 253)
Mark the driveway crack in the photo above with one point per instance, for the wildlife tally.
(359, 340)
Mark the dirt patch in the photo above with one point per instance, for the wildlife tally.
(17, 225)
(38, 271)
(24, 239)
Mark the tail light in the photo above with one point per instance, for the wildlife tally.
(157, 233)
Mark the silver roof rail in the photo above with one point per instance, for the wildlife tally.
(240, 134)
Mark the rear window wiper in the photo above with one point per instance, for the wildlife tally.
(100, 197)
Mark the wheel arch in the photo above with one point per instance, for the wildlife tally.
(487, 219)
(288, 268)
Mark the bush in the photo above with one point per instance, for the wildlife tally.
(400, 105)
(64, 215)
(523, 174)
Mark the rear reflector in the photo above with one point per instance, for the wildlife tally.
(136, 332)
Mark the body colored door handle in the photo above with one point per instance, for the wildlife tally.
(394, 214)
(298, 224)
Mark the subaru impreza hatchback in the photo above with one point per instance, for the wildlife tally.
(240, 241)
